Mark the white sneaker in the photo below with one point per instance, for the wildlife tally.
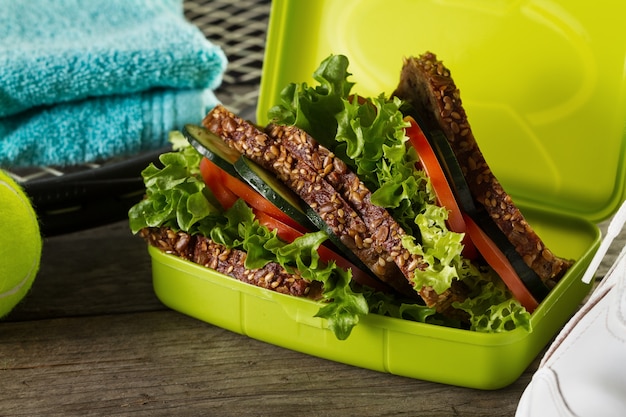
(583, 373)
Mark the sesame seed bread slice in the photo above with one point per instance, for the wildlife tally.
(205, 252)
(427, 85)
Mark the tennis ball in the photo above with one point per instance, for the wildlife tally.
(20, 244)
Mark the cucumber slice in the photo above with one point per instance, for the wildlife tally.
(270, 187)
(212, 147)
(453, 171)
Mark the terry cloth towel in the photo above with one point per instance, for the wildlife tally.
(98, 78)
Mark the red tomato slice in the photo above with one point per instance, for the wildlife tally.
(443, 192)
(225, 186)
(500, 264)
(212, 176)
(289, 234)
(257, 201)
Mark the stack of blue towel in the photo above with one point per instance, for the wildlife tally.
(86, 80)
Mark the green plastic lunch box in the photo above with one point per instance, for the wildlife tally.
(543, 85)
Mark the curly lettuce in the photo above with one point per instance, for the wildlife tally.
(175, 194)
(491, 307)
(314, 108)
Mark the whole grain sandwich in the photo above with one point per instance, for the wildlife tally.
(381, 205)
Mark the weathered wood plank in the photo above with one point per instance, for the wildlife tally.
(164, 363)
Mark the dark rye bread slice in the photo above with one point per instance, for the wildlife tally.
(205, 252)
(427, 85)
(385, 232)
(272, 155)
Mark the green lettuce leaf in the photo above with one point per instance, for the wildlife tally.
(375, 142)
(175, 194)
(374, 137)
(387, 305)
(491, 306)
(440, 248)
(314, 108)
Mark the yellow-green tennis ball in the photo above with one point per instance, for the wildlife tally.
(20, 244)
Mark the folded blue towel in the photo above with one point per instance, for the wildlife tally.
(63, 58)
(99, 128)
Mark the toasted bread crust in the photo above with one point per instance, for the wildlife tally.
(427, 85)
(205, 252)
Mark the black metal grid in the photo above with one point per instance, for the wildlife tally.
(240, 29)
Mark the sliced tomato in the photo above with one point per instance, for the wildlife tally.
(212, 176)
(499, 262)
(257, 201)
(289, 234)
(443, 192)
(227, 189)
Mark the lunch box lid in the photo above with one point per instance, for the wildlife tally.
(542, 81)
